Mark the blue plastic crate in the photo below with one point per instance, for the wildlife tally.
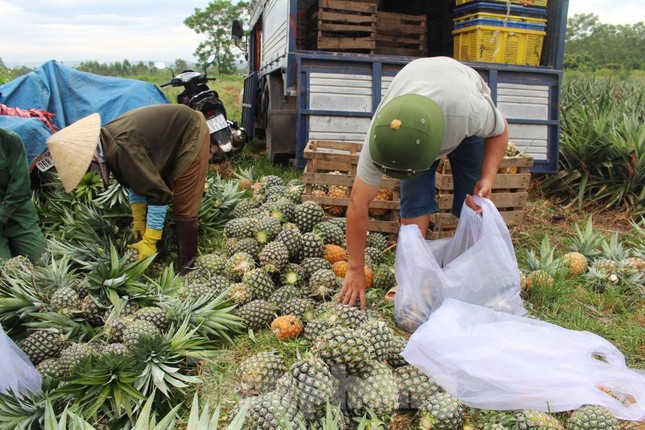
(537, 12)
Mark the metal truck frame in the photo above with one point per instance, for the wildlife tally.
(293, 96)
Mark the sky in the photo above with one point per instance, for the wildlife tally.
(70, 31)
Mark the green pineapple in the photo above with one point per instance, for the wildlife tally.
(17, 267)
(274, 256)
(313, 264)
(154, 315)
(384, 277)
(394, 357)
(50, 367)
(275, 192)
(323, 284)
(293, 274)
(238, 265)
(295, 188)
(42, 344)
(311, 247)
(340, 314)
(71, 356)
(307, 215)
(259, 283)
(248, 245)
(314, 329)
(136, 330)
(93, 312)
(240, 227)
(340, 222)
(534, 420)
(243, 207)
(414, 387)
(298, 307)
(266, 229)
(269, 181)
(214, 263)
(380, 336)
(376, 240)
(81, 286)
(441, 411)
(376, 391)
(65, 300)
(114, 348)
(239, 293)
(591, 417)
(291, 237)
(116, 328)
(270, 411)
(373, 257)
(282, 295)
(346, 351)
(259, 373)
(329, 233)
(256, 314)
(312, 385)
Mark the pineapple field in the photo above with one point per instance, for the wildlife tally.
(254, 338)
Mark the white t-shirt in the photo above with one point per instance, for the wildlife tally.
(460, 92)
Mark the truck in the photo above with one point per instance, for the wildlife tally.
(317, 69)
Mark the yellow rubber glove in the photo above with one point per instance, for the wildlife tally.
(138, 220)
(148, 245)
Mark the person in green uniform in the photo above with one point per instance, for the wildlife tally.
(160, 153)
(19, 230)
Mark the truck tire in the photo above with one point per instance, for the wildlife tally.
(279, 120)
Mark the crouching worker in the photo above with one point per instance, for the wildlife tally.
(160, 153)
(19, 230)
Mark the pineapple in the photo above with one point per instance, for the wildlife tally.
(575, 263)
(323, 284)
(17, 267)
(154, 315)
(340, 222)
(590, 417)
(298, 307)
(329, 233)
(50, 367)
(312, 264)
(214, 263)
(307, 215)
(93, 312)
(239, 293)
(259, 283)
(256, 314)
(414, 387)
(116, 328)
(282, 295)
(586, 241)
(383, 195)
(291, 237)
(248, 245)
(269, 181)
(376, 240)
(65, 300)
(71, 356)
(135, 331)
(535, 420)
(311, 246)
(380, 336)
(338, 313)
(441, 411)
(266, 229)
(271, 411)
(292, 274)
(238, 265)
(334, 253)
(384, 277)
(42, 344)
(286, 327)
(259, 373)
(337, 192)
(539, 279)
(346, 351)
(312, 386)
(240, 227)
(394, 357)
(274, 256)
(283, 209)
(376, 391)
(243, 207)
(340, 268)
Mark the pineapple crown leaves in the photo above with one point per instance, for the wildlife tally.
(105, 383)
(370, 421)
(587, 240)
(71, 328)
(116, 195)
(21, 411)
(53, 421)
(613, 249)
(168, 282)
(147, 420)
(546, 260)
(19, 299)
(162, 369)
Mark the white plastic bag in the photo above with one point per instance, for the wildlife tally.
(477, 265)
(16, 371)
(494, 360)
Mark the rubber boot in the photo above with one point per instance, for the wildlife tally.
(186, 229)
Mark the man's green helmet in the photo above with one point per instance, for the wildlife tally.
(406, 136)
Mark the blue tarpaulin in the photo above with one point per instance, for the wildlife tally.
(70, 95)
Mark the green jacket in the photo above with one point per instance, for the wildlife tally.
(147, 149)
(15, 184)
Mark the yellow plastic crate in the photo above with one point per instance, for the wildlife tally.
(500, 17)
(498, 45)
(540, 3)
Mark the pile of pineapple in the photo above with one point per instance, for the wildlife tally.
(122, 344)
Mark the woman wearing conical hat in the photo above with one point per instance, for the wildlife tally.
(160, 153)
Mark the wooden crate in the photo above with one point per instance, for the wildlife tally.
(343, 26)
(324, 157)
(510, 194)
(401, 34)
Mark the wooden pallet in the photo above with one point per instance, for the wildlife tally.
(323, 158)
(343, 26)
(401, 34)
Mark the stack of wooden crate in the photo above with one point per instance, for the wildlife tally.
(401, 34)
(336, 25)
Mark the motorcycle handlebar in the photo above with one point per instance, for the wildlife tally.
(167, 84)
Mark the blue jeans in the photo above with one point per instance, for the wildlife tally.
(418, 193)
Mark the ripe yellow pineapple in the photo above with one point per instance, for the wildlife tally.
(340, 268)
(286, 327)
(539, 278)
(338, 192)
(334, 253)
(383, 194)
(575, 263)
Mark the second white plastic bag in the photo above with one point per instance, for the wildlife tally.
(17, 374)
(477, 265)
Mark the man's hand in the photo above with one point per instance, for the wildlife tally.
(148, 245)
(353, 289)
(138, 220)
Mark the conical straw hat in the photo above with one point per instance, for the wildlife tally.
(73, 147)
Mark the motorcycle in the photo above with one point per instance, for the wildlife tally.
(226, 135)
